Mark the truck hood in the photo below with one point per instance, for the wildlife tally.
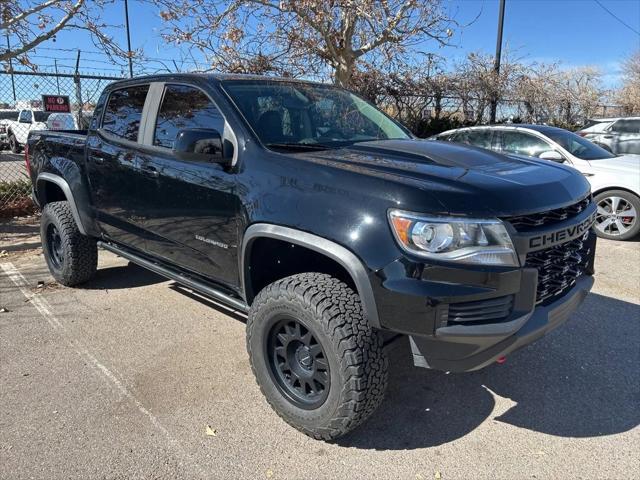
(460, 178)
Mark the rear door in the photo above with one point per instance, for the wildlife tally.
(190, 207)
(113, 165)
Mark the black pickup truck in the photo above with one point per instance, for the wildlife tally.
(326, 222)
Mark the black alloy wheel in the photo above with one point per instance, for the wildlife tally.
(54, 246)
(298, 363)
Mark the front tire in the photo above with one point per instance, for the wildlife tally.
(318, 362)
(72, 258)
(617, 215)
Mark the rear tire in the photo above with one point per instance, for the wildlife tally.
(14, 145)
(617, 215)
(72, 258)
(309, 330)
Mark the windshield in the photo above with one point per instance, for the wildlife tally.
(307, 116)
(577, 146)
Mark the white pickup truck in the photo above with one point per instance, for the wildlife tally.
(18, 130)
(15, 132)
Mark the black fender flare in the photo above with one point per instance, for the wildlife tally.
(64, 186)
(347, 259)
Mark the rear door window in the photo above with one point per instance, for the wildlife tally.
(123, 113)
(523, 144)
(184, 107)
(478, 138)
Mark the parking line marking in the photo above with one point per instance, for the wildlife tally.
(44, 308)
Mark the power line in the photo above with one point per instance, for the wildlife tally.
(617, 18)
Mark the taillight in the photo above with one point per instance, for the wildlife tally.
(26, 159)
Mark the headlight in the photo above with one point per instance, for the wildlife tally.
(460, 240)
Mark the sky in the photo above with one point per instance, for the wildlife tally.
(573, 32)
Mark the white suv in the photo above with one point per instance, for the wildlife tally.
(615, 179)
(618, 135)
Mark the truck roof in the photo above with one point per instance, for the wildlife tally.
(217, 77)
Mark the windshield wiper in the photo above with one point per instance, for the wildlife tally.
(299, 146)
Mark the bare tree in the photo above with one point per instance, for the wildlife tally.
(32, 22)
(304, 36)
(628, 95)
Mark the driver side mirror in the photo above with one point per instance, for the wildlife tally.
(200, 145)
(552, 155)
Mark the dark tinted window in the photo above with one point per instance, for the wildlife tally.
(41, 116)
(124, 112)
(523, 144)
(626, 126)
(9, 115)
(477, 138)
(184, 107)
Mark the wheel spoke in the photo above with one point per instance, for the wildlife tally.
(321, 364)
(615, 204)
(631, 212)
(602, 211)
(606, 223)
(621, 226)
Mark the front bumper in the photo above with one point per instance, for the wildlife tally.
(461, 318)
(488, 347)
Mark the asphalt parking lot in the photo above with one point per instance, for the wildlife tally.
(121, 378)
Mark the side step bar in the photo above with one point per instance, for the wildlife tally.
(183, 280)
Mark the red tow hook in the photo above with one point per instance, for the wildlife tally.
(501, 360)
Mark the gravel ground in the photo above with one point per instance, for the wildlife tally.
(122, 377)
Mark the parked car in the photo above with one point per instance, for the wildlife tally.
(326, 222)
(614, 179)
(62, 121)
(617, 135)
(5, 116)
(18, 130)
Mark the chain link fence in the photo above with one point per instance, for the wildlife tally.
(22, 110)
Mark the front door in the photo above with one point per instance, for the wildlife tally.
(113, 166)
(191, 207)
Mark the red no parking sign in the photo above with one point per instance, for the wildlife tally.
(56, 103)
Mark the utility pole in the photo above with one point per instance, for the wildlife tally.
(126, 18)
(13, 83)
(496, 65)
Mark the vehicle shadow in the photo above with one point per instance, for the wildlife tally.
(122, 276)
(580, 381)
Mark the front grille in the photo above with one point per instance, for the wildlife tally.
(479, 312)
(524, 223)
(559, 267)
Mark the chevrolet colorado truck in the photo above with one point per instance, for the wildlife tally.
(323, 220)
